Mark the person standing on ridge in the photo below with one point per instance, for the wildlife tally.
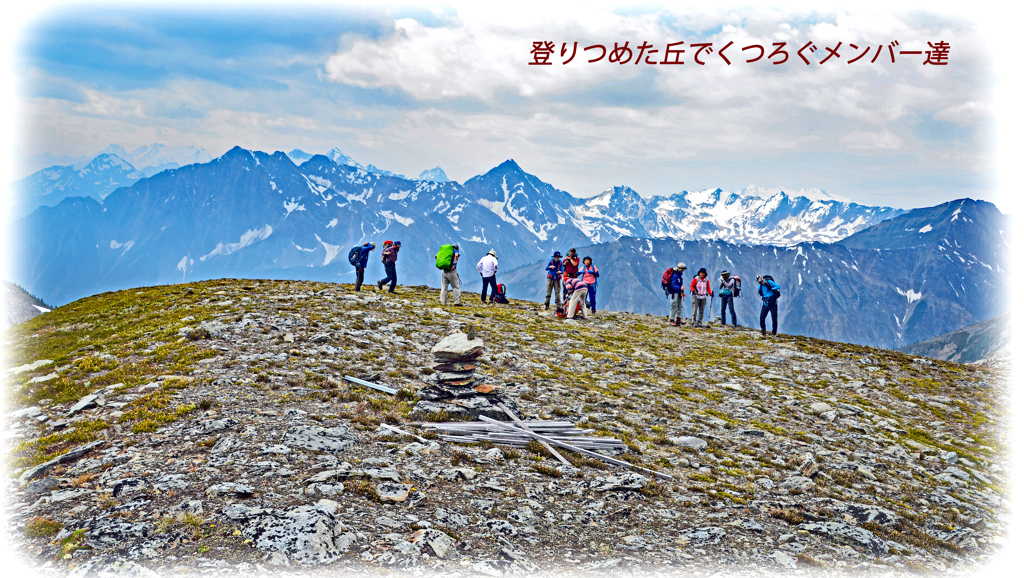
(488, 269)
(700, 289)
(554, 281)
(675, 288)
(728, 288)
(770, 292)
(450, 276)
(571, 264)
(389, 256)
(364, 256)
(589, 275)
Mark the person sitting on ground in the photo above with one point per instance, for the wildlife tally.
(577, 289)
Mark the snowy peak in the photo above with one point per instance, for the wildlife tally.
(951, 225)
(435, 174)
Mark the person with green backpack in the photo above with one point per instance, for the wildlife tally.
(446, 260)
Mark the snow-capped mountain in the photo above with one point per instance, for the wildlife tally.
(714, 214)
(863, 289)
(97, 179)
(148, 159)
(435, 174)
(252, 214)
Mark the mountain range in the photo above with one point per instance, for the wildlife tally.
(253, 214)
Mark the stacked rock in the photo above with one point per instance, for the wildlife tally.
(454, 387)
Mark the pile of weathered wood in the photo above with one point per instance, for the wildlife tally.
(564, 431)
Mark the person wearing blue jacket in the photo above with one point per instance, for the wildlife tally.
(770, 292)
(676, 292)
(554, 271)
(364, 255)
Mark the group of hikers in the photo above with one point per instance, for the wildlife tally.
(674, 283)
(574, 282)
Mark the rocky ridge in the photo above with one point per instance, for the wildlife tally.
(206, 428)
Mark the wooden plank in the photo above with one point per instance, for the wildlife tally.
(403, 432)
(595, 455)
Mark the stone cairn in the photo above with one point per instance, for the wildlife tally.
(454, 387)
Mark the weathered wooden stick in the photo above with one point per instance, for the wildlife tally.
(403, 432)
(576, 449)
(547, 446)
(357, 381)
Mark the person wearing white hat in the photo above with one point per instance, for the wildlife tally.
(488, 269)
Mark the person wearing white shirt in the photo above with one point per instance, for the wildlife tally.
(488, 269)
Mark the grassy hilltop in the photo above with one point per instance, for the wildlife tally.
(800, 437)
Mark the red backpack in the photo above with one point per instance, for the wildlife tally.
(666, 278)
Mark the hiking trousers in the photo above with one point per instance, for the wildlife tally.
(592, 296)
(556, 286)
(697, 316)
(489, 282)
(450, 278)
(772, 308)
(676, 310)
(578, 297)
(359, 277)
(727, 300)
(390, 276)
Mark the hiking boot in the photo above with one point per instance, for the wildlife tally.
(458, 305)
(763, 333)
(672, 323)
(547, 306)
(380, 285)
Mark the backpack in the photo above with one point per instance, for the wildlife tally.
(776, 291)
(739, 283)
(445, 256)
(353, 256)
(666, 278)
(500, 297)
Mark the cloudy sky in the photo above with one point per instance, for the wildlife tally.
(410, 88)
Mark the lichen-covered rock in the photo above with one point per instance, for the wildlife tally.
(458, 347)
(306, 534)
(321, 439)
(845, 533)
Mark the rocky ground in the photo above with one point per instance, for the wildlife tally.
(206, 428)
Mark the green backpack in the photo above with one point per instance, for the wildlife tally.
(444, 257)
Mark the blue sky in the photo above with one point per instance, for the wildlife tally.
(407, 89)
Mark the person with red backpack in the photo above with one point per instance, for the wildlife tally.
(578, 289)
(554, 271)
(388, 256)
(728, 289)
(674, 287)
(700, 289)
(589, 275)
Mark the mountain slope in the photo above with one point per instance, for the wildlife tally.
(987, 340)
(19, 306)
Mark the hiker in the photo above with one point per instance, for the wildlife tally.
(675, 289)
(488, 268)
(578, 291)
(589, 276)
(728, 288)
(388, 256)
(449, 276)
(554, 271)
(700, 289)
(571, 264)
(361, 257)
(770, 292)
